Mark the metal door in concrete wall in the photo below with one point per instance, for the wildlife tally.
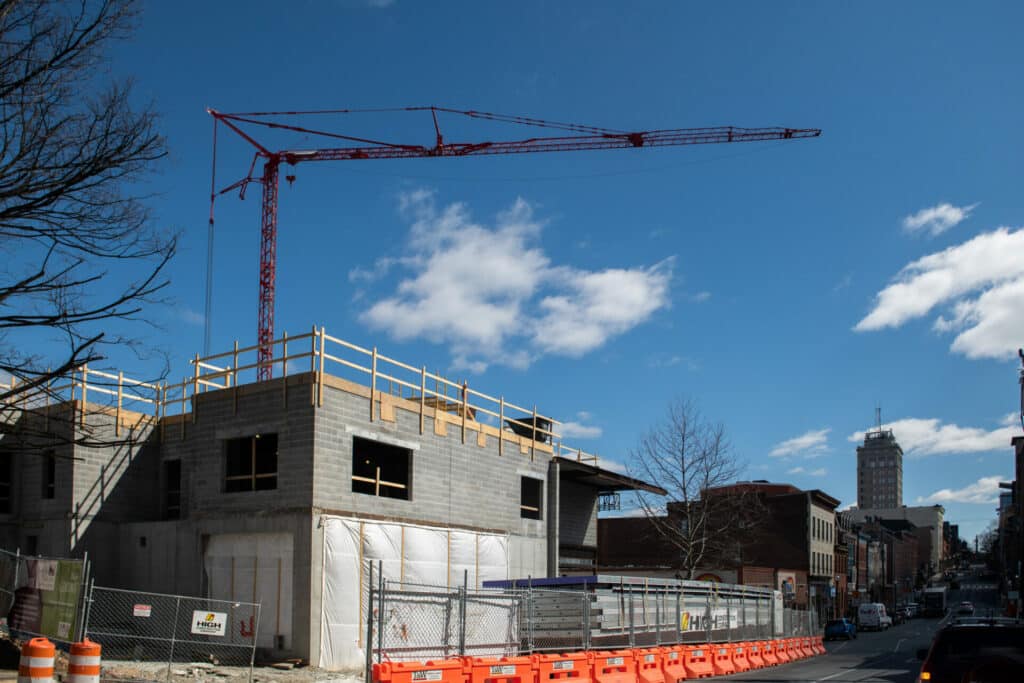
(255, 568)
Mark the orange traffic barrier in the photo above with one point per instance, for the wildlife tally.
(615, 666)
(793, 649)
(768, 652)
(672, 664)
(818, 643)
(498, 670)
(807, 647)
(739, 657)
(781, 648)
(754, 654)
(36, 664)
(648, 665)
(721, 659)
(84, 662)
(697, 661)
(571, 667)
(443, 671)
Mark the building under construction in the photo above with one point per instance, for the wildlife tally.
(283, 491)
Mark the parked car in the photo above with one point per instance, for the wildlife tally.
(966, 608)
(971, 650)
(872, 615)
(840, 628)
(915, 609)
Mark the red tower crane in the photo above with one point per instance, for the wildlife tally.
(575, 137)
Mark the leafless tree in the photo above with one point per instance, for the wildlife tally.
(689, 456)
(80, 255)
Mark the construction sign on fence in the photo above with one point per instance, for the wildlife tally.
(47, 603)
(209, 623)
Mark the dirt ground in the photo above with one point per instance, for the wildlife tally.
(180, 672)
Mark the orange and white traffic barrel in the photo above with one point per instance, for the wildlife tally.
(36, 665)
(84, 664)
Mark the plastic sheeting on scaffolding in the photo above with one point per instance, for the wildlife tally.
(410, 554)
(255, 568)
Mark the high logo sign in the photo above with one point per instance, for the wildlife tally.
(209, 623)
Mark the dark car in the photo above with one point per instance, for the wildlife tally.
(840, 628)
(974, 650)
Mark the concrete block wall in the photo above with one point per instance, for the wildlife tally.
(578, 521)
(261, 409)
(453, 483)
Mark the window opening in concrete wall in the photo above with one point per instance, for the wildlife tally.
(31, 545)
(49, 475)
(172, 491)
(250, 463)
(5, 483)
(530, 502)
(380, 469)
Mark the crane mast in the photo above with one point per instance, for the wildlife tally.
(580, 137)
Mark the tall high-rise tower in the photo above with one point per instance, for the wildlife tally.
(879, 471)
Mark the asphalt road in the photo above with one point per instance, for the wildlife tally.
(889, 656)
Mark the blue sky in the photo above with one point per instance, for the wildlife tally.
(788, 288)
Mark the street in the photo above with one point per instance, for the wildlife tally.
(882, 656)
(889, 656)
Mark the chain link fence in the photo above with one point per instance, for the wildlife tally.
(420, 622)
(139, 626)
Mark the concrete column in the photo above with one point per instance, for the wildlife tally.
(554, 514)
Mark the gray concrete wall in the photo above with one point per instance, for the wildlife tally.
(453, 483)
(578, 507)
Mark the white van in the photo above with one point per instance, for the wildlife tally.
(871, 615)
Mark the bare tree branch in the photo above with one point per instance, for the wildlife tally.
(687, 455)
(80, 258)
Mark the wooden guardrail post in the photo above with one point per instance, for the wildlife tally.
(312, 366)
(85, 385)
(120, 395)
(284, 369)
(320, 374)
(423, 396)
(195, 389)
(465, 390)
(234, 380)
(533, 441)
(373, 382)
(501, 425)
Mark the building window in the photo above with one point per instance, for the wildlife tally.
(380, 469)
(531, 498)
(172, 490)
(250, 463)
(49, 475)
(5, 483)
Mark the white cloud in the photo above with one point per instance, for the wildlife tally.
(937, 219)
(577, 430)
(613, 465)
(929, 436)
(700, 297)
(191, 317)
(485, 289)
(983, 491)
(808, 444)
(820, 472)
(982, 283)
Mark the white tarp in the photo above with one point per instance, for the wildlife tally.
(254, 568)
(411, 554)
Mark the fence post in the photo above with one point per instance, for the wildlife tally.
(728, 619)
(707, 616)
(255, 633)
(462, 613)
(174, 633)
(632, 634)
(657, 619)
(381, 608)
(530, 613)
(586, 618)
(369, 623)
(679, 614)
